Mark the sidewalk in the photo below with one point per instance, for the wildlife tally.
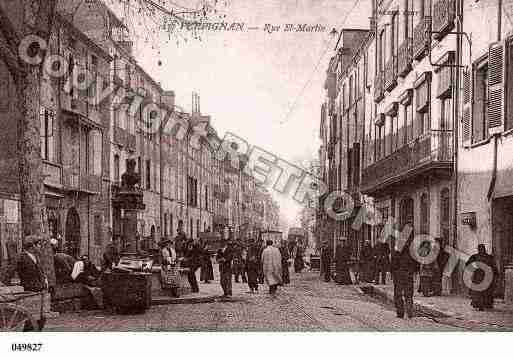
(452, 307)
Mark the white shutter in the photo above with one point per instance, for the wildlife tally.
(496, 98)
(466, 120)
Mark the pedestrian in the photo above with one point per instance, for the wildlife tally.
(367, 262)
(285, 257)
(403, 268)
(271, 262)
(238, 269)
(482, 287)
(342, 261)
(169, 274)
(30, 272)
(192, 262)
(253, 267)
(244, 255)
(382, 259)
(180, 240)
(224, 258)
(261, 277)
(207, 270)
(326, 256)
(299, 264)
(429, 272)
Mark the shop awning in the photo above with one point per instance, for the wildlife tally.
(504, 183)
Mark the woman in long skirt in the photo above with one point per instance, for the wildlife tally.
(252, 268)
(342, 256)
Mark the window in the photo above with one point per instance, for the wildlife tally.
(395, 137)
(148, 174)
(47, 118)
(165, 225)
(424, 214)
(445, 114)
(206, 198)
(408, 120)
(381, 51)
(509, 84)
(116, 168)
(394, 36)
(408, 18)
(480, 113)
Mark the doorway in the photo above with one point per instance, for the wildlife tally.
(502, 232)
(406, 216)
(73, 233)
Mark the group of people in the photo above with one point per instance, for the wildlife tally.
(255, 264)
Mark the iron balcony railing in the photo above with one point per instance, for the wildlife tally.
(391, 73)
(378, 87)
(404, 58)
(432, 148)
(443, 18)
(421, 35)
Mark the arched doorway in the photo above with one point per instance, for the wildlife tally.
(73, 233)
(406, 215)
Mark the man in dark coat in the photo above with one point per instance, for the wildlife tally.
(403, 268)
(180, 240)
(224, 258)
(253, 267)
(367, 262)
(193, 256)
(30, 271)
(382, 258)
(342, 258)
(207, 270)
(482, 298)
(285, 257)
(326, 255)
(64, 264)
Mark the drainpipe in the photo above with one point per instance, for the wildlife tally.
(455, 126)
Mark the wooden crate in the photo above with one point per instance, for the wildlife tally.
(127, 291)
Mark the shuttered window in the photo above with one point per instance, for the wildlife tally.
(479, 110)
(509, 85)
(467, 107)
(495, 93)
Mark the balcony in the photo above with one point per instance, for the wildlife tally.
(431, 153)
(391, 74)
(52, 174)
(70, 179)
(120, 136)
(379, 92)
(404, 58)
(443, 18)
(421, 36)
(90, 183)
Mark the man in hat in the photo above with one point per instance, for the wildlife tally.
(85, 272)
(29, 268)
(225, 258)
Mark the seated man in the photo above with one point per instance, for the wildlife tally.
(64, 264)
(85, 272)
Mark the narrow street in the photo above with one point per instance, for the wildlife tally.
(307, 304)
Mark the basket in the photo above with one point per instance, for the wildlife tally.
(169, 277)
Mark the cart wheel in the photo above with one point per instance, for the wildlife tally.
(14, 318)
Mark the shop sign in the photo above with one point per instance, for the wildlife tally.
(11, 209)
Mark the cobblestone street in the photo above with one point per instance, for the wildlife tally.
(307, 304)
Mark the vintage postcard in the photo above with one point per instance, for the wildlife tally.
(255, 166)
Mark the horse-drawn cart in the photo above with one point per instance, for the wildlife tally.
(22, 311)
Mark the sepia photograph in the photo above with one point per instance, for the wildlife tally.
(237, 166)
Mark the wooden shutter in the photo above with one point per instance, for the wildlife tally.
(466, 121)
(495, 88)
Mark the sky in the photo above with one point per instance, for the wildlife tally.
(264, 87)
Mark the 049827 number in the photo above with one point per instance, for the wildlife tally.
(26, 347)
